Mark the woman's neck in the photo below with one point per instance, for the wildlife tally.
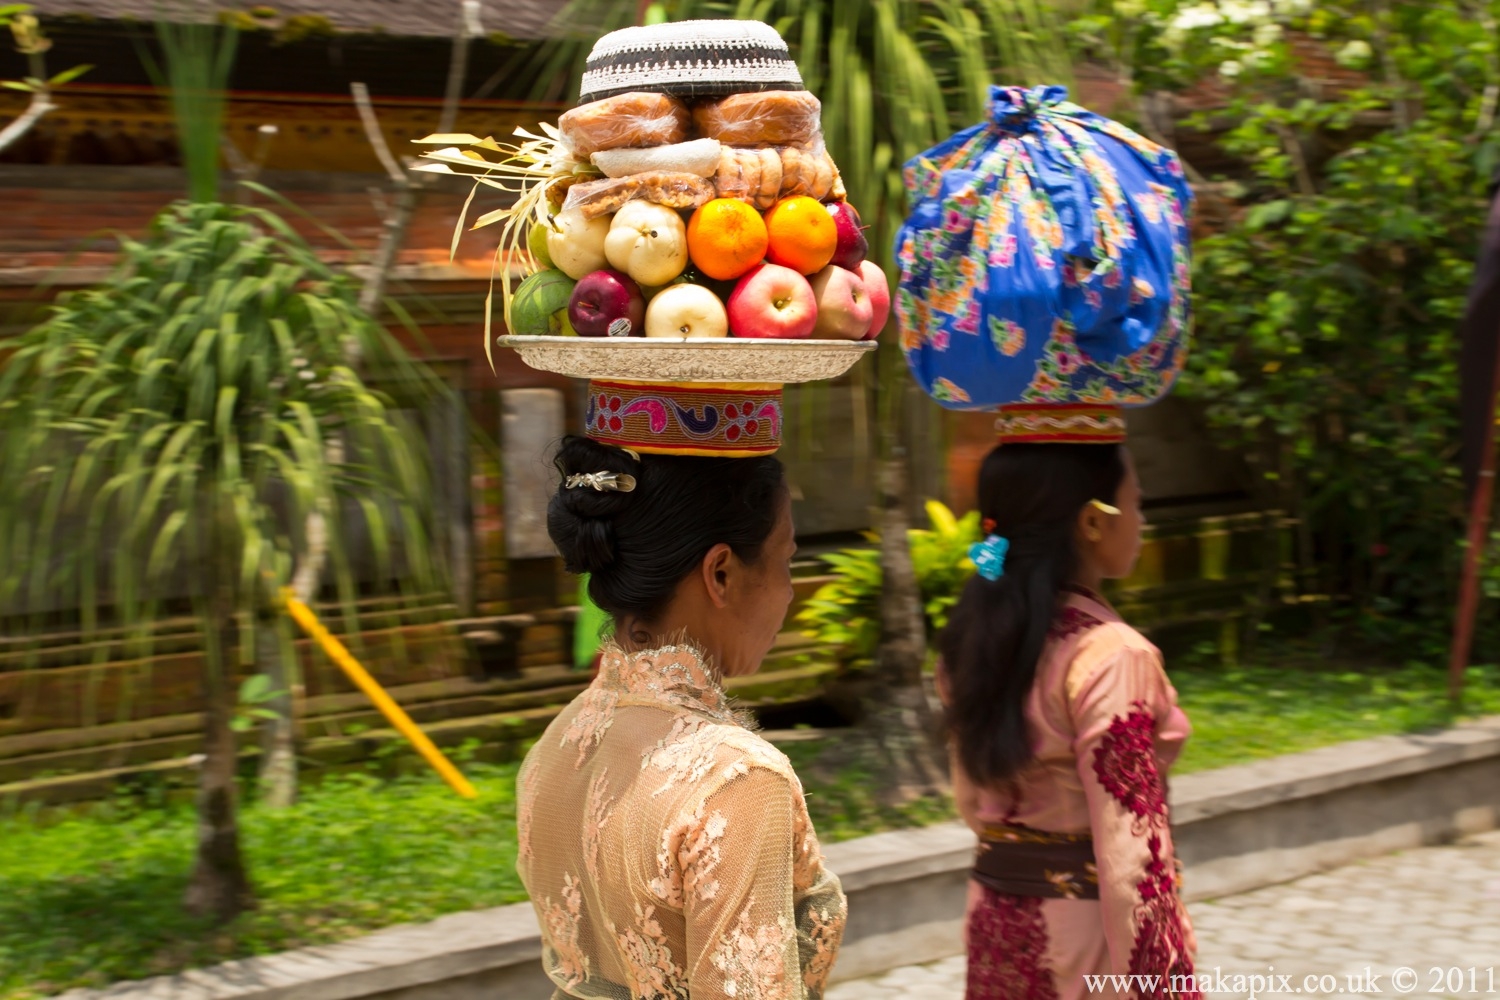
(633, 636)
(1089, 579)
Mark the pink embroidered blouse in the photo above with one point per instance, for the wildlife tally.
(1106, 728)
(667, 848)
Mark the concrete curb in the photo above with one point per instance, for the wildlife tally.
(1236, 829)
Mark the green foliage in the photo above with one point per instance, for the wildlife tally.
(30, 42)
(843, 793)
(1327, 309)
(175, 425)
(255, 692)
(1295, 697)
(199, 57)
(845, 612)
(91, 898)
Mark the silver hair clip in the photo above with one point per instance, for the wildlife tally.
(604, 482)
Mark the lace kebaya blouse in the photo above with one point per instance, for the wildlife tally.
(667, 848)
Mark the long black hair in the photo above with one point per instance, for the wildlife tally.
(637, 546)
(1033, 494)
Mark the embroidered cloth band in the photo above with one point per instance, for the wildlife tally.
(1019, 861)
(1060, 424)
(725, 420)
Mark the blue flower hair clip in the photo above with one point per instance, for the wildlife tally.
(989, 556)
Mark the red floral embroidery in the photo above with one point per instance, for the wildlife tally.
(1125, 764)
(1007, 949)
(1069, 622)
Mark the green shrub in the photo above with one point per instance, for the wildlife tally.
(1327, 305)
(845, 612)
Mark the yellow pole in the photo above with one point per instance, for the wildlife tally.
(304, 617)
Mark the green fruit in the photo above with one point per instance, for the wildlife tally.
(539, 296)
(536, 242)
(561, 325)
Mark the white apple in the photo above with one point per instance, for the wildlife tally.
(686, 311)
(773, 302)
(878, 289)
(576, 243)
(844, 310)
(647, 242)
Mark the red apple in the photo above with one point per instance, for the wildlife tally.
(844, 311)
(607, 304)
(878, 290)
(772, 302)
(852, 245)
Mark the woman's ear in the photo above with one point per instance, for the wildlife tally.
(1091, 523)
(715, 569)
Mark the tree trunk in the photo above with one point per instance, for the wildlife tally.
(278, 762)
(899, 720)
(218, 888)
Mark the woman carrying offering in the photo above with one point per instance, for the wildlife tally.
(1063, 726)
(667, 847)
(1045, 276)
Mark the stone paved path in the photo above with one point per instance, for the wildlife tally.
(1433, 907)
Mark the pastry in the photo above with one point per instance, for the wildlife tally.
(769, 188)
(672, 189)
(739, 174)
(765, 176)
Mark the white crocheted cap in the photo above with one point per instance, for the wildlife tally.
(690, 59)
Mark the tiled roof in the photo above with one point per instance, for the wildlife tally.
(406, 18)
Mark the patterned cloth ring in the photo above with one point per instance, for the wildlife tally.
(1045, 261)
(1062, 424)
(726, 420)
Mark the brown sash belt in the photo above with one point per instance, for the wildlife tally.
(1019, 861)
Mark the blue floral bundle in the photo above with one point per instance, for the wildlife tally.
(1045, 260)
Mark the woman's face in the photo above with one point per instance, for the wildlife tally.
(757, 597)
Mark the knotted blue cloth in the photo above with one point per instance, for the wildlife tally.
(1044, 260)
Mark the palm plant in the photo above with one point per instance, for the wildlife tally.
(168, 437)
(895, 78)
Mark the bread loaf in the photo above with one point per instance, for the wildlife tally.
(769, 118)
(628, 121)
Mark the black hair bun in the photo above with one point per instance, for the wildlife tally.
(580, 518)
(639, 545)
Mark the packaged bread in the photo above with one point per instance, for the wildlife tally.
(699, 156)
(764, 176)
(769, 118)
(624, 121)
(672, 189)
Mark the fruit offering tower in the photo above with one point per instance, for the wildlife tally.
(685, 239)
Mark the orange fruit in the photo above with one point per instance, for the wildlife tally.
(803, 234)
(726, 238)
